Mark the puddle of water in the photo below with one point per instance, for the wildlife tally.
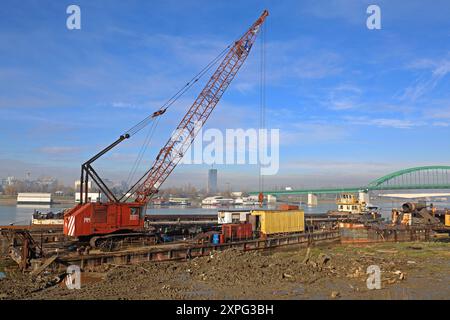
(298, 291)
(295, 292)
(200, 293)
(280, 292)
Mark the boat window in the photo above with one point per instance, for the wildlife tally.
(134, 211)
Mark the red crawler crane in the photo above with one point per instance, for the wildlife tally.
(120, 217)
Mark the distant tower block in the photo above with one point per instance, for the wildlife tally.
(312, 200)
(212, 181)
(271, 198)
(363, 197)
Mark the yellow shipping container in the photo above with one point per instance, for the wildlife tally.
(280, 221)
(447, 219)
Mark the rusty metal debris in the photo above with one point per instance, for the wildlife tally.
(22, 247)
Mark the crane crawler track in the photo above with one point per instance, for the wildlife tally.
(112, 242)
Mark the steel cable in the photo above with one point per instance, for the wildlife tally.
(143, 123)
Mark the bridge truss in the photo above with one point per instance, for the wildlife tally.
(417, 178)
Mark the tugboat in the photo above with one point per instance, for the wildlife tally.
(49, 218)
(349, 207)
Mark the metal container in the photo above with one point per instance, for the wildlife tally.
(237, 231)
(287, 207)
(252, 221)
(232, 216)
(279, 221)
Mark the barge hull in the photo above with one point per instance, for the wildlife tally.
(359, 233)
(92, 261)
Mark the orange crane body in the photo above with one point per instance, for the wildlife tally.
(89, 219)
(93, 218)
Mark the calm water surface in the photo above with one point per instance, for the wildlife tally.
(21, 214)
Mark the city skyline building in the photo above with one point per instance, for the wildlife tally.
(212, 181)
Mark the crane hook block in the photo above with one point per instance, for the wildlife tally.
(124, 136)
(158, 113)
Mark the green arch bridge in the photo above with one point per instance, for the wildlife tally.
(417, 178)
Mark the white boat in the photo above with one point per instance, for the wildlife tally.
(217, 201)
(211, 201)
(179, 201)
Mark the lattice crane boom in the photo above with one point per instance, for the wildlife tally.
(177, 145)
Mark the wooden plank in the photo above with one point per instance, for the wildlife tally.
(46, 263)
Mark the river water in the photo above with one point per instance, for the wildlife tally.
(21, 214)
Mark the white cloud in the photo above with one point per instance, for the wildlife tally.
(53, 150)
(384, 122)
(345, 97)
(124, 105)
(439, 112)
(317, 66)
(347, 10)
(304, 133)
(343, 167)
(433, 73)
(441, 124)
(394, 123)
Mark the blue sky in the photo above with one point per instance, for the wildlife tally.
(351, 103)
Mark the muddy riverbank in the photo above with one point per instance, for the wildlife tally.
(409, 271)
